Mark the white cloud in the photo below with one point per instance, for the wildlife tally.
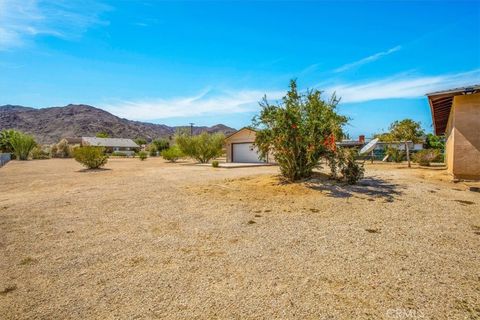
(366, 60)
(23, 20)
(213, 102)
(402, 86)
(207, 102)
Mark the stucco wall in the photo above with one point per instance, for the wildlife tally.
(450, 142)
(465, 162)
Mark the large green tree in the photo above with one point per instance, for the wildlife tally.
(405, 131)
(298, 131)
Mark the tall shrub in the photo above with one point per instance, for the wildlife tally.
(90, 156)
(298, 130)
(22, 144)
(202, 147)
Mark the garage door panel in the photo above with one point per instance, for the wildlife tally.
(245, 152)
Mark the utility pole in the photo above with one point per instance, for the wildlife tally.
(191, 128)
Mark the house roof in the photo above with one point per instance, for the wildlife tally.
(110, 142)
(238, 131)
(73, 140)
(441, 104)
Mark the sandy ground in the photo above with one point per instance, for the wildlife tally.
(157, 240)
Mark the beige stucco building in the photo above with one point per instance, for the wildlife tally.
(239, 147)
(456, 113)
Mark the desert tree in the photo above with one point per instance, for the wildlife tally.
(405, 131)
(202, 147)
(298, 130)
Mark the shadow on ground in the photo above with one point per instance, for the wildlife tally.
(371, 186)
(94, 170)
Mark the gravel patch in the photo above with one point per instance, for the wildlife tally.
(158, 240)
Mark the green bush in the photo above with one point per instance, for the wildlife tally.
(142, 155)
(90, 156)
(202, 147)
(215, 164)
(298, 131)
(6, 140)
(425, 157)
(160, 144)
(61, 150)
(141, 141)
(394, 154)
(22, 145)
(119, 154)
(352, 172)
(343, 161)
(152, 150)
(38, 153)
(172, 154)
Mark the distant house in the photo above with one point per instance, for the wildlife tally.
(380, 145)
(349, 143)
(456, 114)
(125, 146)
(240, 148)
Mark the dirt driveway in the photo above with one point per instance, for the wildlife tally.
(157, 240)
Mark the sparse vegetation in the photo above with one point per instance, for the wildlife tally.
(343, 161)
(142, 155)
(299, 131)
(152, 150)
(426, 156)
(102, 135)
(203, 147)
(119, 154)
(90, 156)
(61, 150)
(352, 172)
(39, 153)
(215, 164)
(172, 154)
(404, 131)
(395, 154)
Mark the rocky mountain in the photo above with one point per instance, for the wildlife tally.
(49, 125)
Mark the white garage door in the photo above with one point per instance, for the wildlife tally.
(245, 152)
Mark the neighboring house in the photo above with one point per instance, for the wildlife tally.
(381, 145)
(348, 143)
(456, 114)
(125, 146)
(240, 148)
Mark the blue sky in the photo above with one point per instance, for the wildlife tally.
(177, 62)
